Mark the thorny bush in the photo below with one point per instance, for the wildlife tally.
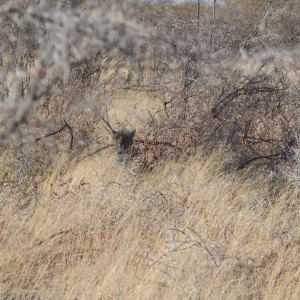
(62, 62)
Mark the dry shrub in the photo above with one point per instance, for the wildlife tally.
(173, 223)
(70, 66)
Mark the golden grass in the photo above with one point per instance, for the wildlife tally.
(132, 108)
(187, 230)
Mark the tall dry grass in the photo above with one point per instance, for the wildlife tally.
(76, 226)
(186, 230)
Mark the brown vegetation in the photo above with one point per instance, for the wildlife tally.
(201, 101)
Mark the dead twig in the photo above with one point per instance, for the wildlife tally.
(100, 149)
(58, 131)
(284, 153)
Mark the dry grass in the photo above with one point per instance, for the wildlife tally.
(77, 226)
(186, 230)
(133, 108)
